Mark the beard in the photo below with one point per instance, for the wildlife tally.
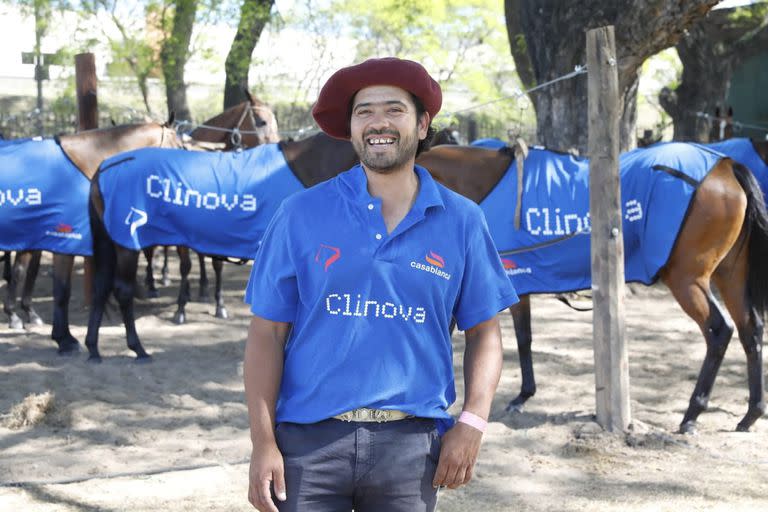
(403, 149)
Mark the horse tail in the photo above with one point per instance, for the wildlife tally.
(756, 225)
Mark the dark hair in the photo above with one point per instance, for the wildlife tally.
(426, 142)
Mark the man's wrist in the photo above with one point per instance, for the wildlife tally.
(473, 420)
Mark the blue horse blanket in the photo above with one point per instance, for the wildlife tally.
(43, 199)
(488, 143)
(216, 203)
(743, 151)
(551, 250)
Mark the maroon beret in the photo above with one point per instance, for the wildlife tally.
(331, 111)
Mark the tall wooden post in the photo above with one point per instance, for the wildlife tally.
(88, 119)
(611, 361)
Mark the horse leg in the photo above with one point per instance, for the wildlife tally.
(731, 279)
(204, 295)
(62, 291)
(165, 273)
(698, 302)
(750, 329)
(29, 285)
(521, 316)
(18, 275)
(7, 266)
(104, 262)
(708, 236)
(149, 279)
(221, 310)
(125, 280)
(185, 265)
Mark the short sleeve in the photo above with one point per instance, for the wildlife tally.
(485, 287)
(272, 289)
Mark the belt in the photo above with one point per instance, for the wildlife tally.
(372, 415)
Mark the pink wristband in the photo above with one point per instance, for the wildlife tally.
(473, 420)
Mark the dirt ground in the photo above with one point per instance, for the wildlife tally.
(173, 435)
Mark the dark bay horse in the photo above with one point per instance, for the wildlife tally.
(245, 125)
(723, 241)
(85, 150)
(312, 160)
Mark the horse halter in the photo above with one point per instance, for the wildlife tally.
(236, 138)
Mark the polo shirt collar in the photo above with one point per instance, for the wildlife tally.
(354, 186)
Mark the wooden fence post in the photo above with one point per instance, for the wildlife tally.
(88, 119)
(611, 361)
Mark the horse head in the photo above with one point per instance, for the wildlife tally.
(247, 124)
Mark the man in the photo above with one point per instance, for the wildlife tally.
(348, 366)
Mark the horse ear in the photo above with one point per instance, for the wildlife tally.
(171, 118)
(249, 96)
(730, 111)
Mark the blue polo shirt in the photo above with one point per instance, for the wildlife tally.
(371, 310)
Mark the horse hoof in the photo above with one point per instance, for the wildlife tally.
(69, 348)
(95, 359)
(166, 281)
(179, 318)
(35, 319)
(742, 428)
(15, 322)
(143, 359)
(514, 408)
(688, 428)
(222, 313)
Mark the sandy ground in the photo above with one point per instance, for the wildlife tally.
(172, 435)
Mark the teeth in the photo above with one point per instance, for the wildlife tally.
(381, 141)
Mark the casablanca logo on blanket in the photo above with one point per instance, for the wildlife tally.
(511, 268)
(176, 193)
(63, 230)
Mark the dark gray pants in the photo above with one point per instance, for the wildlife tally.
(337, 466)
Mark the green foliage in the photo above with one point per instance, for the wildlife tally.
(461, 42)
(749, 15)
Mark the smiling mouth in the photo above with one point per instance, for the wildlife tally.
(380, 141)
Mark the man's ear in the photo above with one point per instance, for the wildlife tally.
(423, 125)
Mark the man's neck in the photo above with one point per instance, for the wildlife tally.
(397, 190)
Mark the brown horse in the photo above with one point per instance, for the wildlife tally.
(245, 125)
(723, 241)
(86, 150)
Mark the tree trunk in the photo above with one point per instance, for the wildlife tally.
(710, 52)
(174, 56)
(547, 41)
(254, 16)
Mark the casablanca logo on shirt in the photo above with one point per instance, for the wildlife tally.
(436, 264)
(328, 255)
